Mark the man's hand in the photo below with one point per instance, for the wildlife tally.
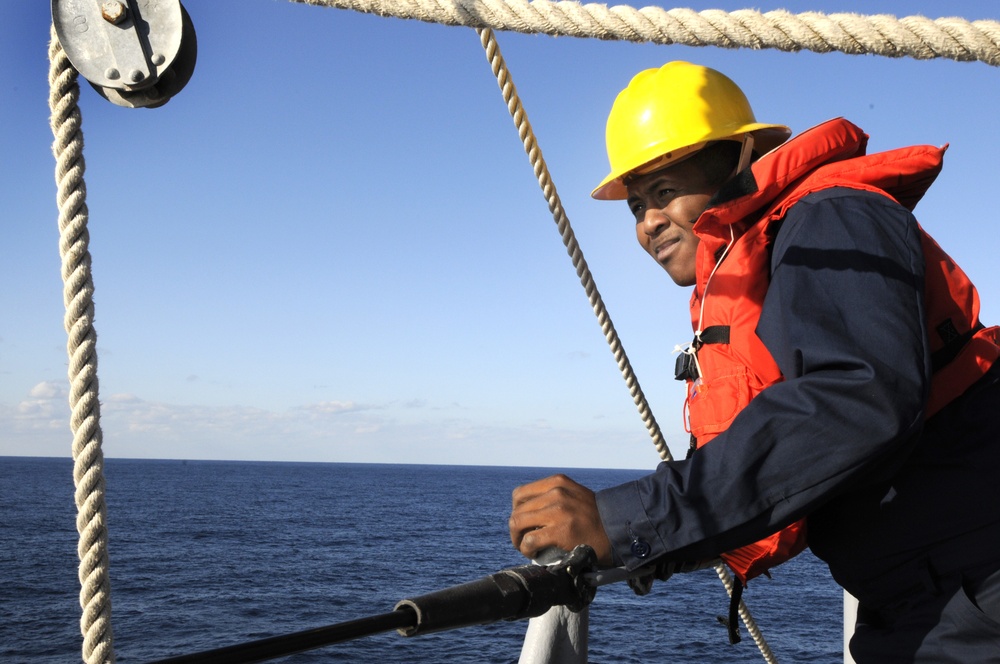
(557, 512)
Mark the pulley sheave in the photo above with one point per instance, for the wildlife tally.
(136, 53)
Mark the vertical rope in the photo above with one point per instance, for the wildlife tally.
(78, 291)
(527, 135)
(747, 617)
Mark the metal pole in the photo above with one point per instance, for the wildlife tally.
(511, 594)
(289, 644)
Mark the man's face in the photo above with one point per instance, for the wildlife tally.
(666, 203)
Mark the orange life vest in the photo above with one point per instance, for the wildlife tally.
(735, 365)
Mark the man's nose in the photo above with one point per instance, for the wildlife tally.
(654, 221)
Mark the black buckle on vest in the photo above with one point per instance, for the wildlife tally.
(953, 341)
(685, 367)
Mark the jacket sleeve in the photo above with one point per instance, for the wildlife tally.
(844, 320)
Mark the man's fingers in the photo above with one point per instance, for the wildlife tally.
(527, 492)
(532, 542)
(519, 525)
(556, 511)
(527, 523)
(538, 522)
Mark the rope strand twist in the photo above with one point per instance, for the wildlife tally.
(912, 36)
(78, 292)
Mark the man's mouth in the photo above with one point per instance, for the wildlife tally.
(663, 250)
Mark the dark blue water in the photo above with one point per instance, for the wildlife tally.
(208, 554)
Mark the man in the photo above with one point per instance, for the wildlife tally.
(841, 389)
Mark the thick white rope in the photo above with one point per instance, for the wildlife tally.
(527, 135)
(913, 36)
(78, 291)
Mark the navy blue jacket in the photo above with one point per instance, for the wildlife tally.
(843, 439)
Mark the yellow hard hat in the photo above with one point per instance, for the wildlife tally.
(669, 113)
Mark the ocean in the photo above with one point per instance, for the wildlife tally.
(206, 554)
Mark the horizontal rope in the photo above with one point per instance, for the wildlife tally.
(913, 36)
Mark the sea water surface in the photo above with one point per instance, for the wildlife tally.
(206, 554)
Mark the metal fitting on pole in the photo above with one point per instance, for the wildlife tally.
(511, 594)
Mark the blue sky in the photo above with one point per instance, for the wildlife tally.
(330, 246)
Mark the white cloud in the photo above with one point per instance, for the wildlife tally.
(45, 408)
(48, 389)
(412, 431)
(333, 407)
(123, 398)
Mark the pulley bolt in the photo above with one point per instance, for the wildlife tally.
(113, 12)
(135, 76)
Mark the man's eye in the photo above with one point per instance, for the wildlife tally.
(637, 210)
(666, 194)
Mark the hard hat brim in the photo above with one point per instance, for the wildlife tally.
(766, 138)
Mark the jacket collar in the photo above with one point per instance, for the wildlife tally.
(829, 154)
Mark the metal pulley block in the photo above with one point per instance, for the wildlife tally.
(136, 53)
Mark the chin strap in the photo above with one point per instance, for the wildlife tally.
(746, 153)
